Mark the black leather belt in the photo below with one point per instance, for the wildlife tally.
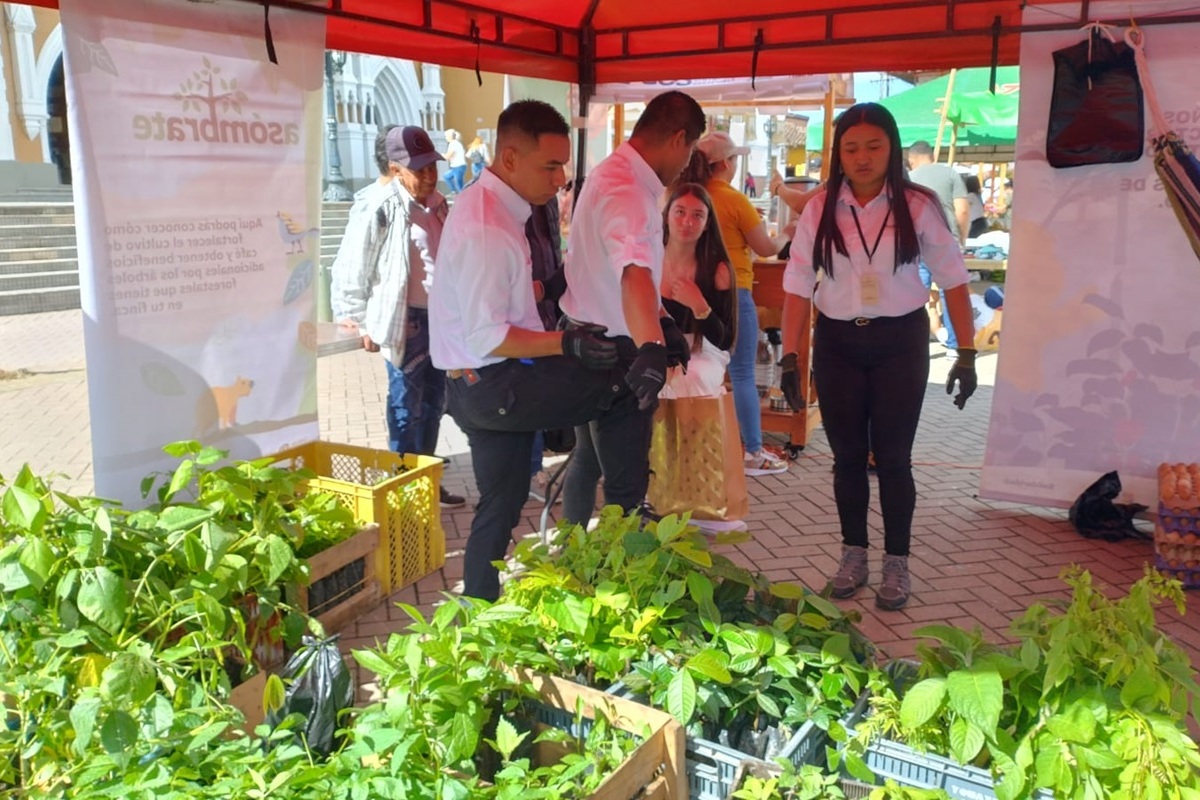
(862, 322)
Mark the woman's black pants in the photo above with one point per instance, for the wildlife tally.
(870, 378)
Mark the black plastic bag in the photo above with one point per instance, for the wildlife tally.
(1096, 111)
(320, 687)
(1096, 516)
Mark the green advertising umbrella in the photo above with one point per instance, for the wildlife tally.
(982, 118)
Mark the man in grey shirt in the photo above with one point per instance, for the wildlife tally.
(944, 181)
(948, 185)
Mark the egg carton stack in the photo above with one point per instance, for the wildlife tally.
(1177, 533)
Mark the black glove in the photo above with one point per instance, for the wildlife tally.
(679, 349)
(588, 344)
(963, 371)
(789, 382)
(647, 373)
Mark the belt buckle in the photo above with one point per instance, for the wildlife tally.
(862, 322)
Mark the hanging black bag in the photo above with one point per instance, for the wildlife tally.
(1096, 111)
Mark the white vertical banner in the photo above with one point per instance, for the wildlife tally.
(196, 166)
(1100, 368)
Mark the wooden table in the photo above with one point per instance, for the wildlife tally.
(768, 296)
(987, 267)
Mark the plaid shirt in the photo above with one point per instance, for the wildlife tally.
(373, 265)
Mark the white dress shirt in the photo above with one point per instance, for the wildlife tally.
(617, 222)
(482, 280)
(895, 293)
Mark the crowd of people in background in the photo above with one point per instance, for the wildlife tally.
(477, 313)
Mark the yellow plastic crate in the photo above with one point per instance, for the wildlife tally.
(400, 493)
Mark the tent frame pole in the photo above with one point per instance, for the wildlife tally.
(937, 146)
(587, 90)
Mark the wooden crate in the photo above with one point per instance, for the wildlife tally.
(247, 697)
(363, 546)
(768, 299)
(655, 771)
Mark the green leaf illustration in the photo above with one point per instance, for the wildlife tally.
(160, 379)
(299, 282)
(99, 58)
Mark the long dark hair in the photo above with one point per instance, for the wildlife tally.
(829, 236)
(697, 171)
(710, 251)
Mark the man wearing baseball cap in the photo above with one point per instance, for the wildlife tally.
(386, 295)
(714, 166)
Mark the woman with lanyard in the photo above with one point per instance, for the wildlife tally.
(866, 233)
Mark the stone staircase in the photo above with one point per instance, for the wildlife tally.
(333, 224)
(39, 267)
(39, 270)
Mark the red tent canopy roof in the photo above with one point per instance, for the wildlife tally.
(605, 41)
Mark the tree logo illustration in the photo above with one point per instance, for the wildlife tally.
(200, 91)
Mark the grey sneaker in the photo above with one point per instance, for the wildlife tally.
(894, 588)
(852, 573)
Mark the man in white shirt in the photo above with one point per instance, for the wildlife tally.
(379, 287)
(509, 376)
(614, 269)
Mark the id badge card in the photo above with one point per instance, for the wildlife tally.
(869, 289)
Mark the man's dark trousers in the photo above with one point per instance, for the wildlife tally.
(499, 407)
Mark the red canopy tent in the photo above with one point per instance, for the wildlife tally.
(607, 41)
(612, 41)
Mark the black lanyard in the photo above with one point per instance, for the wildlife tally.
(863, 239)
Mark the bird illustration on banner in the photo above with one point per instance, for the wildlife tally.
(293, 234)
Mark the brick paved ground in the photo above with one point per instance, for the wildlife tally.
(974, 561)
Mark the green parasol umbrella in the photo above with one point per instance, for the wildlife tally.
(988, 118)
(983, 118)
